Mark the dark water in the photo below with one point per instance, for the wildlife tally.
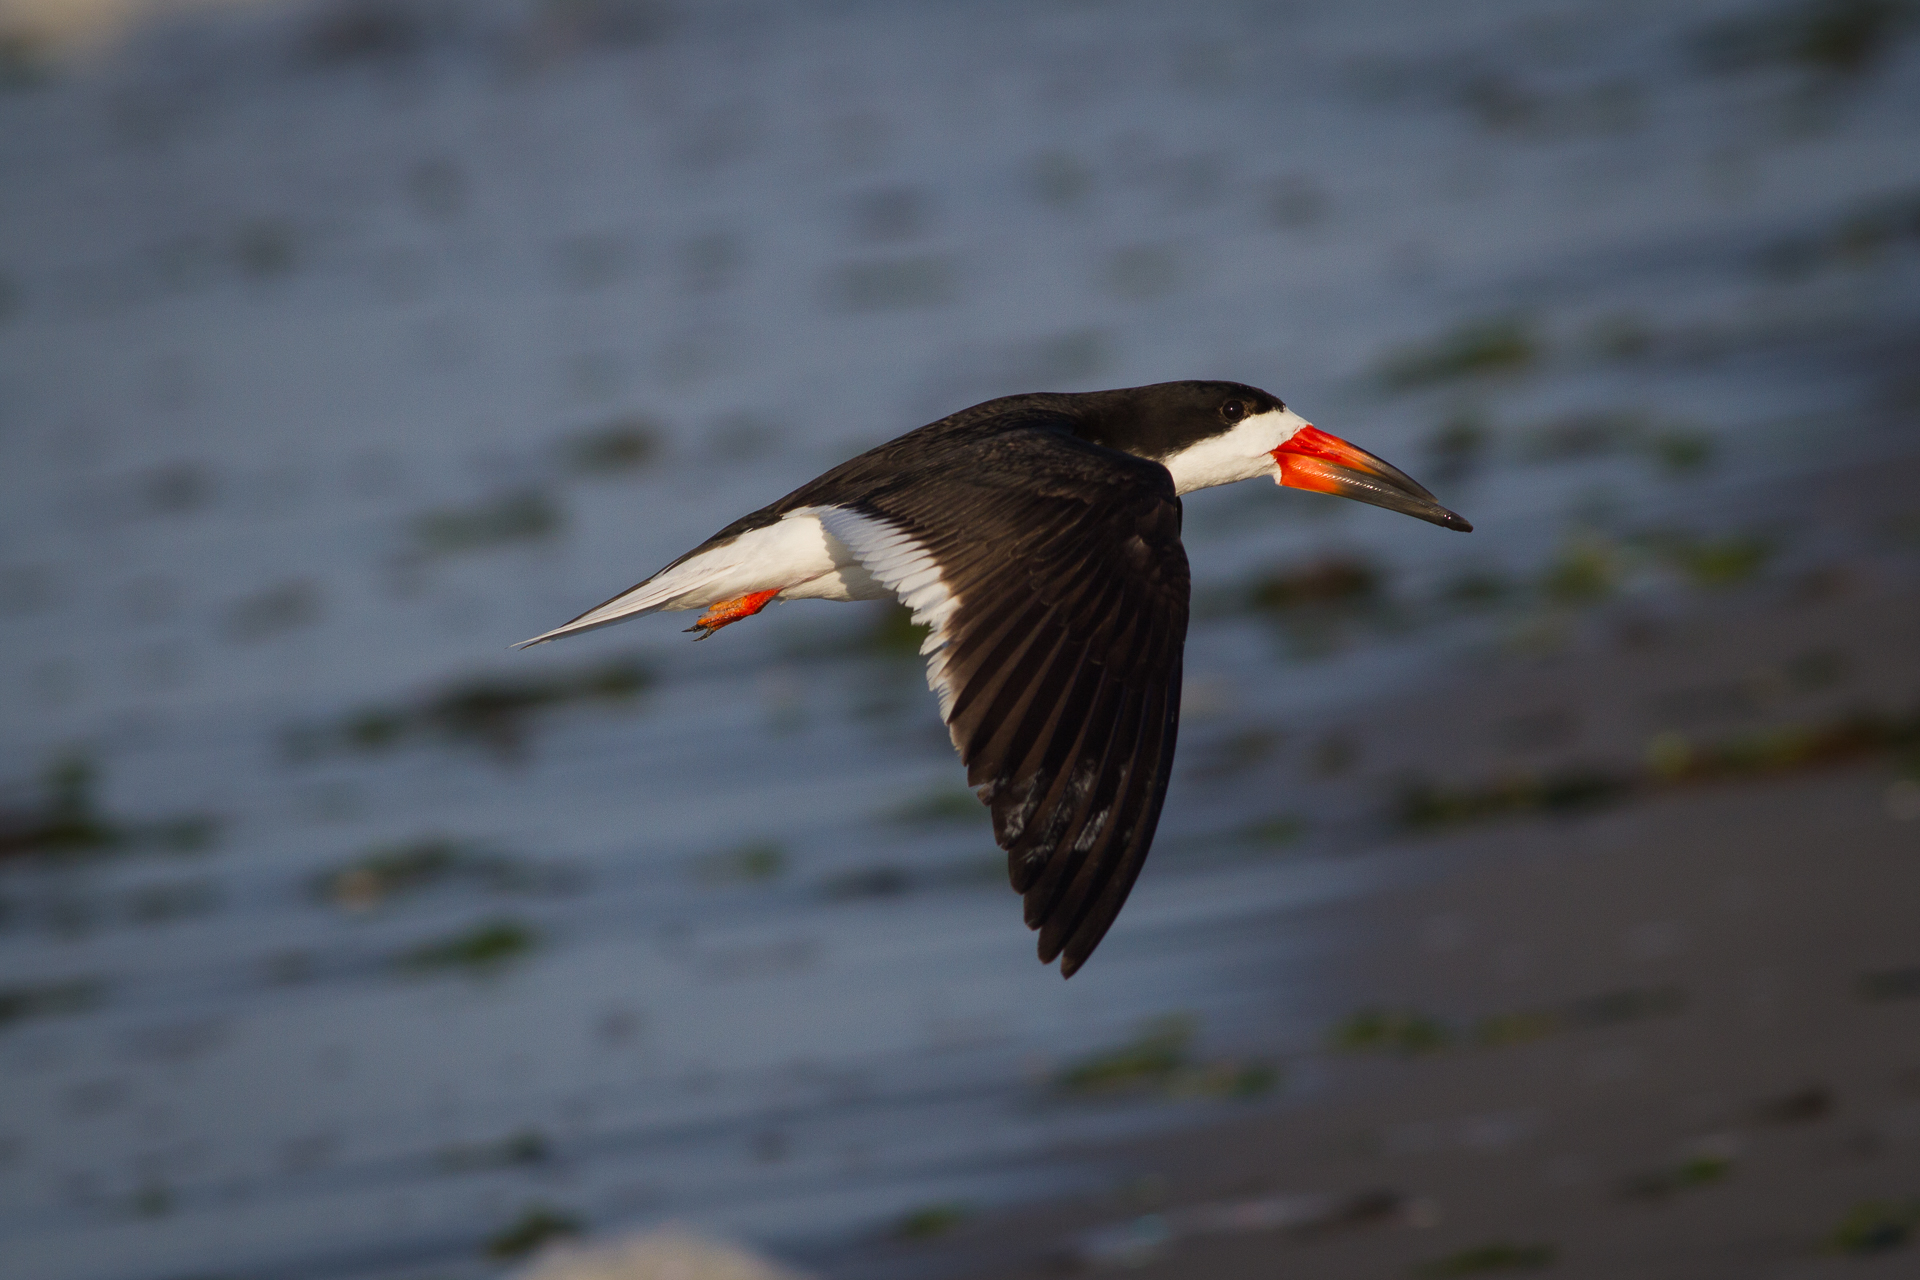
(335, 358)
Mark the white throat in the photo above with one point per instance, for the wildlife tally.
(1242, 453)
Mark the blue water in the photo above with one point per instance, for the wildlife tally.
(273, 300)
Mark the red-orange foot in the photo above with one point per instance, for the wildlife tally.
(728, 611)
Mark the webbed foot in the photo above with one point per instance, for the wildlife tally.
(726, 612)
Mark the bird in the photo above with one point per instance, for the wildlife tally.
(1037, 538)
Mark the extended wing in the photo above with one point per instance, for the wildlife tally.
(1052, 576)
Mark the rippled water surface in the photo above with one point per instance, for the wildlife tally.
(342, 346)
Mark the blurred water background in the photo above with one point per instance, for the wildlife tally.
(343, 344)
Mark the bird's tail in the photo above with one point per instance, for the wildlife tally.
(668, 589)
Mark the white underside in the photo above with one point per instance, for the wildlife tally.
(796, 556)
(815, 553)
(1239, 454)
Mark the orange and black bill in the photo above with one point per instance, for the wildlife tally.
(1327, 464)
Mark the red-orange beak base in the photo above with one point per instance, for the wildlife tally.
(1323, 463)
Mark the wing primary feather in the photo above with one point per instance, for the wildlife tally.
(1009, 745)
(1028, 816)
(977, 729)
(1100, 917)
(988, 676)
(1061, 790)
(1014, 690)
(1019, 721)
(1082, 865)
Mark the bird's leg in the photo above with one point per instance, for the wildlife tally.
(723, 612)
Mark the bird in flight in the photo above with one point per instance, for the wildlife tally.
(1038, 538)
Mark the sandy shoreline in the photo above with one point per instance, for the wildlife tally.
(1773, 1062)
(1679, 1035)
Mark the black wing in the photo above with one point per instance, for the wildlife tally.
(1058, 658)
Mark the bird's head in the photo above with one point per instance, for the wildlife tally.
(1210, 433)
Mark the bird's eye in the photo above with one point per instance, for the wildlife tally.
(1233, 411)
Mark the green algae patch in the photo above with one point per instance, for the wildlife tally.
(929, 1222)
(1875, 1226)
(68, 823)
(1478, 348)
(1487, 1258)
(1159, 1059)
(497, 713)
(485, 949)
(1403, 1033)
(50, 999)
(536, 1225)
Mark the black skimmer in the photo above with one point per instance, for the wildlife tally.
(1038, 537)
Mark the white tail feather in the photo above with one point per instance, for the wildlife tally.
(794, 555)
(665, 590)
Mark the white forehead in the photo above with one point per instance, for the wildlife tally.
(1241, 453)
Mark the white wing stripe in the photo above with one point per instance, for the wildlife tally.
(904, 566)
